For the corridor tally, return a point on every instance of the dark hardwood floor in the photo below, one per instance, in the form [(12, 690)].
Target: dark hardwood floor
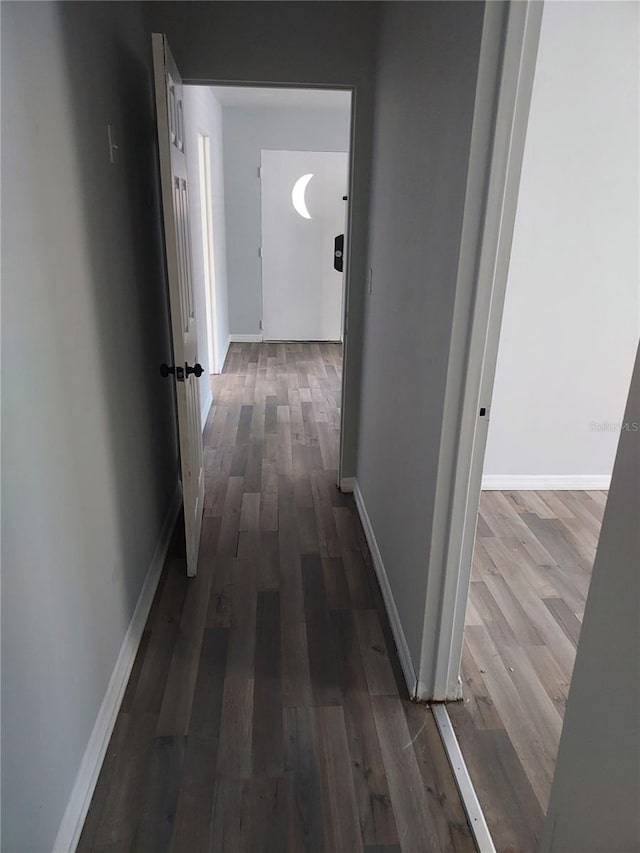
[(266, 710), (532, 566)]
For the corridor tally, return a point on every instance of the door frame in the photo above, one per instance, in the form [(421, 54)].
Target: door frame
[(507, 63), (344, 484), (208, 245)]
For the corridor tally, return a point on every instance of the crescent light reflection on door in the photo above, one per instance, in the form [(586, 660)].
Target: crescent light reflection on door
[(297, 195)]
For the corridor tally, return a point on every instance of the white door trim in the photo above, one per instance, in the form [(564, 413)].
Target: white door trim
[(503, 94), (346, 290), (208, 247)]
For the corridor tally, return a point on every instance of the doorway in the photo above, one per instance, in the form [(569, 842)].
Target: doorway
[(554, 357), (264, 269)]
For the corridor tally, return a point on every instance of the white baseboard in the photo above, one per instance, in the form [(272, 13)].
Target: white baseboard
[(544, 482), (389, 601), (245, 339), (347, 484), (226, 352), (221, 361), (87, 777), (208, 402)]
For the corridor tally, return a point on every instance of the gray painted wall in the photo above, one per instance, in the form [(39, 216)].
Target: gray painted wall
[(595, 797), (317, 44), (203, 114), (89, 460), (572, 310), (246, 132), (424, 108)]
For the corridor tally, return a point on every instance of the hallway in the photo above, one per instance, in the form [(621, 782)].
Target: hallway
[(266, 709)]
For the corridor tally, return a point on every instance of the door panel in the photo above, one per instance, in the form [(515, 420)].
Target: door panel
[(173, 175), (302, 213)]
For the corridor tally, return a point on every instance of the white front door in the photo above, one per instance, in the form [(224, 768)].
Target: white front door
[(173, 175), (303, 211)]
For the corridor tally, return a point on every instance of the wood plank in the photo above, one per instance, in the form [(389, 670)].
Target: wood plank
[(291, 596), (204, 725), (413, 818), (230, 526), (219, 610), (342, 830), (335, 582), (265, 803), (492, 616), (523, 631), (163, 628), (377, 821), (321, 641), (531, 749), (160, 798), (234, 753), (296, 679), (250, 511), (358, 576), (380, 678), (565, 618), (175, 711), (478, 702), (327, 532), (541, 711), (556, 540), (269, 561), (227, 815), (194, 810), (267, 749), (123, 803), (306, 815), (555, 682)]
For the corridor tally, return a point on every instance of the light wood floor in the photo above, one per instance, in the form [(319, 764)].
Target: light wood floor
[(532, 566), (265, 711)]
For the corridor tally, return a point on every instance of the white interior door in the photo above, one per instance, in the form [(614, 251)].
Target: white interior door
[(173, 174), (302, 212)]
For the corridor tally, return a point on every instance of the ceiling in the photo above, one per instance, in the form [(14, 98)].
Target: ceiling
[(247, 96)]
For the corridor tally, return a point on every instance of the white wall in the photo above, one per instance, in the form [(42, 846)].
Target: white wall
[(572, 312), (246, 132), (596, 785), (89, 458), (424, 109), (203, 114), (312, 44)]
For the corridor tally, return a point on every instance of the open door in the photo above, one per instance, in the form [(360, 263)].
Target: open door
[(184, 371)]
